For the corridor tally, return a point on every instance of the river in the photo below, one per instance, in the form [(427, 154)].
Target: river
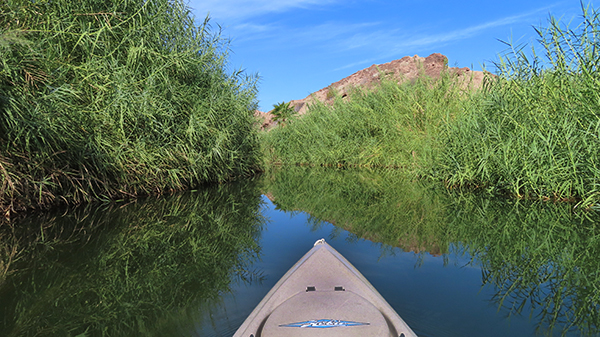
[(196, 263)]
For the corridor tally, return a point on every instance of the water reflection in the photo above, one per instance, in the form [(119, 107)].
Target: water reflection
[(380, 205), (124, 270), (537, 255), (162, 266), (541, 258)]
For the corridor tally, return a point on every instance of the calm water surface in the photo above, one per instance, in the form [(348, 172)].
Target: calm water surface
[(196, 264), (436, 295)]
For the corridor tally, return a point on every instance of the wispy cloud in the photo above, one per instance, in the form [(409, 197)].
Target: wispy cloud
[(234, 10), (398, 42), (381, 40), (252, 29), (329, 31), (315, 36)]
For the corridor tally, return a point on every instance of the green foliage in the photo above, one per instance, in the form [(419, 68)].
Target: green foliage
[(537, 135), (283, 112), (533, 132), (106, 99), (143, 269), (331, 93), (394, 125)]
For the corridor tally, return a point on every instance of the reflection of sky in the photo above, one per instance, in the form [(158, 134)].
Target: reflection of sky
[(436, 295)]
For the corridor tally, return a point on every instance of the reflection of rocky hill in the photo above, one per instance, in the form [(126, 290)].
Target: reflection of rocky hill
[(382, 206), (405, 69), (410, 243)]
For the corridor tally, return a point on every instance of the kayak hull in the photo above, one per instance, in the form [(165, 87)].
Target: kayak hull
[(323, 295)]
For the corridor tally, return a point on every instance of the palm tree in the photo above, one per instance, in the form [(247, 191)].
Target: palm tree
[(282, 112)]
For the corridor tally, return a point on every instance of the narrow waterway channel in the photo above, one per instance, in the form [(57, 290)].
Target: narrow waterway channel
[(196, 264)]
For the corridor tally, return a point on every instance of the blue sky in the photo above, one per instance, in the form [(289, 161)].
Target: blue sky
[(300, 46)]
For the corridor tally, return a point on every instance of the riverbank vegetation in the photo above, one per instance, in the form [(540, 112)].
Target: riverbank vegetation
[(537, 133), (115, 99), (532, 131), (396, 125)]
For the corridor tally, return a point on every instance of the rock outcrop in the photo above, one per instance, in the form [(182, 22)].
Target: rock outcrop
[(405, 69)]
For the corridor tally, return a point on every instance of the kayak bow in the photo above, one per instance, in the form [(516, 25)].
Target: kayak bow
[(323, 295)]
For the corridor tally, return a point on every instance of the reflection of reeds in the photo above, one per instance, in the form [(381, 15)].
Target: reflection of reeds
[(379, 205), (8, 253), (539, 256), (541, 259), (112, 99), (130, 270)]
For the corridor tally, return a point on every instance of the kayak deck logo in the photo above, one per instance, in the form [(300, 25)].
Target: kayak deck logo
[(322, 323)]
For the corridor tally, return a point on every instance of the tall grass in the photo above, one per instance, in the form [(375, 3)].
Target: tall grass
[(109, 99), (533, 132), (537, 134), (392, 125)]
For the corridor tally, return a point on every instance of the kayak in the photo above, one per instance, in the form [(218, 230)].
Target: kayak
[(323, 295)]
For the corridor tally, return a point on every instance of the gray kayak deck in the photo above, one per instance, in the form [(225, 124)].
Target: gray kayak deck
[(323, 295)]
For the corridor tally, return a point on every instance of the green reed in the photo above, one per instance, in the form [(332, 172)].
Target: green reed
[(533, 132), (391, 125), (536, 135), (113, 99)]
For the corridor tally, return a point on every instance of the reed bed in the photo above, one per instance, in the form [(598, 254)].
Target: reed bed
[(533, 131), (115, 99), (391, 125), (536, 135)]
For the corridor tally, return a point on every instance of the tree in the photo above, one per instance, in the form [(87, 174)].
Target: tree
[(282, 112)]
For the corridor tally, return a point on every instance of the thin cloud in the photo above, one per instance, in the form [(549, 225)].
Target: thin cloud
[(251, 28), (316, 35), (352, 65), (234, 10), (409, 42), (331, 31)]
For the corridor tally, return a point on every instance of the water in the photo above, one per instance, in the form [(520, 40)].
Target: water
[(437, 296), (196, 264)]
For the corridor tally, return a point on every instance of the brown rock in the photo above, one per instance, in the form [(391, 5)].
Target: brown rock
[(264, 119), (405, 69)]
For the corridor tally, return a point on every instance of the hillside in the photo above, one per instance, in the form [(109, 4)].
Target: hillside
[(405, 69)]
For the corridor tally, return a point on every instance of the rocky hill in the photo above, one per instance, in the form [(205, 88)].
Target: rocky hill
[(405, 69)]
